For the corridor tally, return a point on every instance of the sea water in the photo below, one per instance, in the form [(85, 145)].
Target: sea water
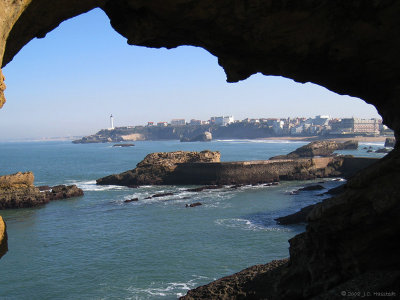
[(99, 247)]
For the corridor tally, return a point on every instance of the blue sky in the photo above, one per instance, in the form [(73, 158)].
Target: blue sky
[(71, 81)]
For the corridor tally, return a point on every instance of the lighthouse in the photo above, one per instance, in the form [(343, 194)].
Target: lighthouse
[(111, 122)]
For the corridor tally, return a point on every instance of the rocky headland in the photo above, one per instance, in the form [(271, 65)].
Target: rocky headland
[(18, 191)]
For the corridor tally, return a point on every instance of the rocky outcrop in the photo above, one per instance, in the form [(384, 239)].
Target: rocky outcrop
[(203, 137), (256, 282), (158, 168), (390, 142), (319, 148), (123, 145), (297, 217), (17, 180), (204, 168), (383, 150), (17, 191), (3, 237)]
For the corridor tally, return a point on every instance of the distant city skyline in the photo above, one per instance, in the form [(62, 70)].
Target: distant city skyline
[(69, 84)]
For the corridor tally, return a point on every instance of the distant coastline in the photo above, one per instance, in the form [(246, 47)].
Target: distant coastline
[(239, 130)]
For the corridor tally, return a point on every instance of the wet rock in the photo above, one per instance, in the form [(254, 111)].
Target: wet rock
[(208, 187), (312, 188), (131, 200), (390, 142), (161, 195), (43, 188), (123, 145), (236, 186), (383, 150), (63, 192), (193, 204), (296, 218)]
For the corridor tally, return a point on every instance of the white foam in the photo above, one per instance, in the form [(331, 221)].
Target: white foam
[(92, 186), (248, 225), (381, 144), (177, 289)]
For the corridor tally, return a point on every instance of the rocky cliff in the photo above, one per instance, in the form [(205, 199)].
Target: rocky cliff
[(18, 191)]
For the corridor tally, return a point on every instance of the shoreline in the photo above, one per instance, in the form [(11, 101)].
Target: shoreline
[(318, 138)]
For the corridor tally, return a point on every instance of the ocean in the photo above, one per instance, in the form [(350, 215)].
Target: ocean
[(99, 247)]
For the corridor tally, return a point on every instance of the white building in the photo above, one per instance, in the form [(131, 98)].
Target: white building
[(178, 122), (222, 121), (277, 126)]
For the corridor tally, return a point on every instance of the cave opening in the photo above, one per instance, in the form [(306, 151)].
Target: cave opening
[(349, 238)]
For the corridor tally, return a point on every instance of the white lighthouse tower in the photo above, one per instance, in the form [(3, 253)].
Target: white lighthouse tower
[(111, 122)]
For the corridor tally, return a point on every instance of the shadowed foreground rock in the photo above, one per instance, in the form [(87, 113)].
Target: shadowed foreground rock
[(244, 284), (17, 191), (351, 241), (3, 237), (297, 217)]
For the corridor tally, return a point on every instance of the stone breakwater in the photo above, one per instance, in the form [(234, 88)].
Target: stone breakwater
[(205, 168), (18, 191)]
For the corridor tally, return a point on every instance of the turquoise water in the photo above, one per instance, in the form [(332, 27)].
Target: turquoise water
[(98, 247)]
